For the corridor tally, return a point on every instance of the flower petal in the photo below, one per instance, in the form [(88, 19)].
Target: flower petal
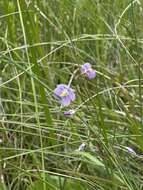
[(82, 147), (59, 89), (91, 74), (85, 67), (65, 101), (69, 113), (71, 95)]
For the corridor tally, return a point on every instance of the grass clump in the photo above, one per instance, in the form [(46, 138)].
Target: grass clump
[(99, 144)]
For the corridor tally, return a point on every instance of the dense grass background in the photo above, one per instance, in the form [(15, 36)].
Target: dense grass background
[(42, 43)]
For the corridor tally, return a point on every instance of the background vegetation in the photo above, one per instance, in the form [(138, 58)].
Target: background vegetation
[(42, 43)]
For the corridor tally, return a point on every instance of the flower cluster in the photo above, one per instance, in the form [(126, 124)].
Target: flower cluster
[(66, 94), (87, 70)]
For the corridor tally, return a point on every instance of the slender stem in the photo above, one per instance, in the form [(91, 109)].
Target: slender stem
[(71, 79)]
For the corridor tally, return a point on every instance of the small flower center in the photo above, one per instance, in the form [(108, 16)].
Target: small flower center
[(64, 93), (89, 70)]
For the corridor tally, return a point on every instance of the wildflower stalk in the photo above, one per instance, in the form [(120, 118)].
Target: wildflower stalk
[(73, 75)]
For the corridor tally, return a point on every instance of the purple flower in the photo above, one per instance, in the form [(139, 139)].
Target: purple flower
[(69, 113), (88, 71), (65, 94), (130, 150), (82, 147)]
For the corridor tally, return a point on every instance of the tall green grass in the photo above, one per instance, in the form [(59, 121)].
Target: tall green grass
[(42, 44)]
